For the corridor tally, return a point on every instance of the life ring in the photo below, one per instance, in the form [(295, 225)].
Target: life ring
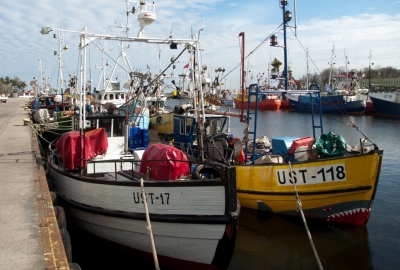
[(312, 152), (207, 171), (158, 119)]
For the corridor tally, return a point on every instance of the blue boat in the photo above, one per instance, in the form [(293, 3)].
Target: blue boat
[(330, 104), (386, 104)]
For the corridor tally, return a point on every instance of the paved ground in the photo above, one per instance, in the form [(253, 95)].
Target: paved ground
[(23, 243)]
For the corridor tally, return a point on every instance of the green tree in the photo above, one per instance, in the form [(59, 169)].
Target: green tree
[(14, 82), (5, 89)]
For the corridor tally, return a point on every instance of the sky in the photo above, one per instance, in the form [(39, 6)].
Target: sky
[(361, 31)]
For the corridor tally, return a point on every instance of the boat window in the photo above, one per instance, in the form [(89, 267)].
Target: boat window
[(119, 127), (111, 96), (106, 124), (115, 86), (116, 96), (122, 96), (105, 97), (181, 126), (189, 122)]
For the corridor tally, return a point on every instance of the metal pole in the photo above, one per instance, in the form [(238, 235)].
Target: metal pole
[(285, 48)]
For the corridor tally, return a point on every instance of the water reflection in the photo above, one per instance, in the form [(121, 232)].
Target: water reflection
[(270, 241)]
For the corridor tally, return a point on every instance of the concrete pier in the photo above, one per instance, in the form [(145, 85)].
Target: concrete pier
[(29, 234)]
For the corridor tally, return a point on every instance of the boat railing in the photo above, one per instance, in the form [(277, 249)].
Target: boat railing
[(215, 149), (123, 169), (254, 90)]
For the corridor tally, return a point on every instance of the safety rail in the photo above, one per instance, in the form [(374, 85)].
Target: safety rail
[(119, 172), (255, 91)]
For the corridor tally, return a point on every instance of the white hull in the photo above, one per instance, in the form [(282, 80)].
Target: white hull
[(189, 218), (182, 241)]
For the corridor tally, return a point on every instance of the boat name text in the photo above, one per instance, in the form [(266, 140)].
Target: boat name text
[(151, 198), (312, 175)]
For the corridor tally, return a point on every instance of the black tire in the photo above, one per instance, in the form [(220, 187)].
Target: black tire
[(67, 244), (74, 266), (207, 171), (60, 215)]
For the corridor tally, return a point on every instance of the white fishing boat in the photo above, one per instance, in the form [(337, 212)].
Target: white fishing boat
[(148, 198)]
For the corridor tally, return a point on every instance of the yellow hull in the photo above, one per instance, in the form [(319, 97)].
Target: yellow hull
[(339, 189), (163, 123)]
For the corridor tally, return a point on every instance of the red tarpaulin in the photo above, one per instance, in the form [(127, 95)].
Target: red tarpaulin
[(166, 162), (70, 150)]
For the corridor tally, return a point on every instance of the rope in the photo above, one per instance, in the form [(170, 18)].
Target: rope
[(299, 208), (38, 134), (153, 247)]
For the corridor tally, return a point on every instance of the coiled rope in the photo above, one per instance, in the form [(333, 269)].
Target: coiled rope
[(299, 208)]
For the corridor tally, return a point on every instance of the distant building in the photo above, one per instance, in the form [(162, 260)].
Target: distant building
[(381, 84), (346, 81), (293, 83), (24, 94)]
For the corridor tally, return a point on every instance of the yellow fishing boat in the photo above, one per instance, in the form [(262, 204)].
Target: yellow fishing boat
[(337, 189), (323, 176)]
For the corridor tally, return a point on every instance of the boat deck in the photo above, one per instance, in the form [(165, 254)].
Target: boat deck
[(29, 233)]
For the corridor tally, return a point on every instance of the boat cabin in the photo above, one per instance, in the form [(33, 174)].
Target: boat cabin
[(113, 124)]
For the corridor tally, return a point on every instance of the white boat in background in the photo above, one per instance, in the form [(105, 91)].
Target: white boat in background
[(112, 93), (152, 199)]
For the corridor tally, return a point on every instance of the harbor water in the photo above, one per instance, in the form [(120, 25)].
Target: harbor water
[(270, 241)]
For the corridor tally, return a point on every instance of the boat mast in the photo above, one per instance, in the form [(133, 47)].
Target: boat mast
[(330, 72), (286, 18), (61, 51), (307, 83), (243, 77), (347, 73)]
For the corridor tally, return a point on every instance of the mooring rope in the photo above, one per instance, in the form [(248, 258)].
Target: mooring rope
[(299, 208), (153, 247)]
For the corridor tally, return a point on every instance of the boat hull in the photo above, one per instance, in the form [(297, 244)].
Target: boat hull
[(285, 104), (162, 123), (334, 190), (227, 102), (266, 104), (329, 105), (188, 230), (386, 104)]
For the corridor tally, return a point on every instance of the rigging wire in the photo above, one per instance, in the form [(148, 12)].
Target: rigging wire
[(308, 54), (254, 50)]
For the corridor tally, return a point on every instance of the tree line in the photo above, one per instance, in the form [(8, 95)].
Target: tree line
[(7, 85), (365, 73)]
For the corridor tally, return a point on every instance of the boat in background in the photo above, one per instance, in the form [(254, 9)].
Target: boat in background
[(227, 98), (386, 104), (285, 102), (337, 103), (266, 101)]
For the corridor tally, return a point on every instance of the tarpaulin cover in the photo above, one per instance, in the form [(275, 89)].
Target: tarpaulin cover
[(166, 162), (70, 150), (331, 145)]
